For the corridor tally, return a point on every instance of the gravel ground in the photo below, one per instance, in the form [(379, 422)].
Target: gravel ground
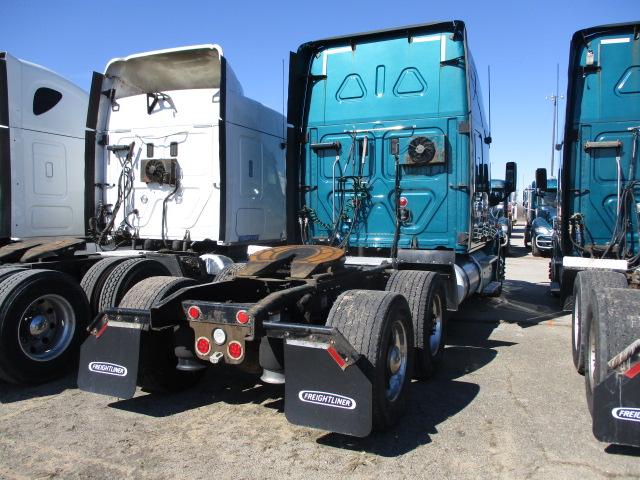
[(507, 404)]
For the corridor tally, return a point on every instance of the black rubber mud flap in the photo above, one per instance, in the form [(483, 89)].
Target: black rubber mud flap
[(109, 359), (324, 390), (616, 408)]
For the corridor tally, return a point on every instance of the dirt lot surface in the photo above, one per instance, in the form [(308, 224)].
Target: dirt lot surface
[(507, 404)]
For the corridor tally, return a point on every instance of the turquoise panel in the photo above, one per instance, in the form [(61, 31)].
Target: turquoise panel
[(413, 92)]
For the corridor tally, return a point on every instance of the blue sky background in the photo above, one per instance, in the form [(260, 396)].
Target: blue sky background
[(521, 40)]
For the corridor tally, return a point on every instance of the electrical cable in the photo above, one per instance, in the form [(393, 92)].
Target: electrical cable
[(125, 187), (164, 213)]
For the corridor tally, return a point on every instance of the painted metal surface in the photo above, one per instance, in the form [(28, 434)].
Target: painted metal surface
[(228, 148), (41, 150), (600, 157), (408, 95)]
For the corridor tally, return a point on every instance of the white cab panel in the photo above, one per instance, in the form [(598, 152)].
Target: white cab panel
[(228, 148), (46, 118)]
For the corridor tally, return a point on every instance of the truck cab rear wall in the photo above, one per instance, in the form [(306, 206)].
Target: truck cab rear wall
[(227, 149)]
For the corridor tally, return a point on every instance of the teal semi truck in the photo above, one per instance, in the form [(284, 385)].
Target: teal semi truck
[(501, 212), (595, 264), (388, 228), (540, 207)]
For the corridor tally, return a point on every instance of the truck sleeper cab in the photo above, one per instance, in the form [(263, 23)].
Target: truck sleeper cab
[(41, 152), (595, 266), (181, 154), (305, 315)]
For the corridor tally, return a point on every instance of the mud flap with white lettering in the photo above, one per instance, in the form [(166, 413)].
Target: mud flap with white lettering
[(325, 387), (616, 409), (110, 356)]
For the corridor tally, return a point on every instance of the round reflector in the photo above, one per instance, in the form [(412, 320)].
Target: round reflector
[(194, 313), (235, 350), (203, 346), (403, 202), (219, 336), (242, 317)]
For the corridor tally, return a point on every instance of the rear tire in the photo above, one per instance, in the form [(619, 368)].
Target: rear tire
[(157, 368), (228, 272), (378, 325), (614, 326), (427, 301), (581, 316), (43, 316), (6, 272), (126, 275), (94, 279)]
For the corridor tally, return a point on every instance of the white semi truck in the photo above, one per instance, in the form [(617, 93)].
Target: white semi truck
[(177, 159), (41, 152)]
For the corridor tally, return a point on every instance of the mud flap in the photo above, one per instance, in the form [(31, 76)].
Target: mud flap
[(616, 409), (109, 359), (325, 389)]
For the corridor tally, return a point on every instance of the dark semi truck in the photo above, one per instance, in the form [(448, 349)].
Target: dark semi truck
[(388, 229)]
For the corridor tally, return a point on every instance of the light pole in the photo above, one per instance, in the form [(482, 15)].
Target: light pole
[(554, 99)]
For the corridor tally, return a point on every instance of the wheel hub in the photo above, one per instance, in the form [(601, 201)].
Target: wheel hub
[(395, 360), (46, 328), (38, 325)]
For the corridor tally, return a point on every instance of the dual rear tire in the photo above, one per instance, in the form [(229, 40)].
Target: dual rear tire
[(43, 316), (427, 300), (400, 333), (157, 368), (613, 327), (582, 314), (378, 325)]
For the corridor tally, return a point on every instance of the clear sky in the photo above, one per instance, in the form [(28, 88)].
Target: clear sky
[(521, 40)]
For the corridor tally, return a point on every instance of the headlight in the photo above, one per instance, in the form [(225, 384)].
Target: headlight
[(544, 231), (505, 228)]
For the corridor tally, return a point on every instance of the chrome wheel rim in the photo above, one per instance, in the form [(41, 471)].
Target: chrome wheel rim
[(397, 359), (46, 328), (435, 338)]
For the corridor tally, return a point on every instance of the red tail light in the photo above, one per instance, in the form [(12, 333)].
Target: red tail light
[(194, 313), (242, 317), (403, 202), (235, 350), (203, 346)]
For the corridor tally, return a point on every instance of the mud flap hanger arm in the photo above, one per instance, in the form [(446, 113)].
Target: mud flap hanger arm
[(315, 336), (120, 317)]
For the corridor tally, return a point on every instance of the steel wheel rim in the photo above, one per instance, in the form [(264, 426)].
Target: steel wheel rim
[(592, 361), (435, 339), (46, 328), (397, 359)]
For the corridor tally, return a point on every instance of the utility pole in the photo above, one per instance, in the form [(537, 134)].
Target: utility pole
[(554, 99)]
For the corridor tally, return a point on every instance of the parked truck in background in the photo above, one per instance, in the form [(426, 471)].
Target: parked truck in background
[(175, 157), (41, 152), (540, 206), (501, 211), (595, 264), (388, 225)]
